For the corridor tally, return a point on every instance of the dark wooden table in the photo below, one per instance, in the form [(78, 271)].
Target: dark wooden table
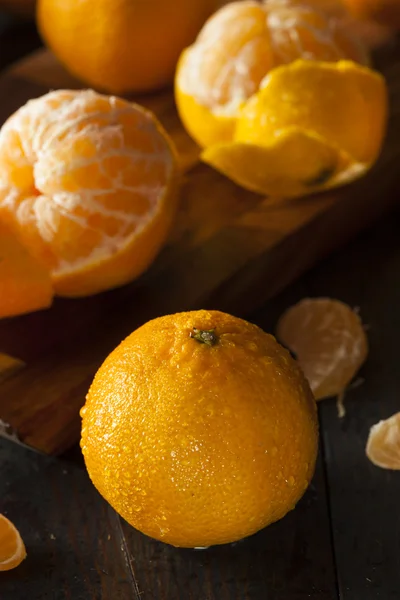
[(341, 542)]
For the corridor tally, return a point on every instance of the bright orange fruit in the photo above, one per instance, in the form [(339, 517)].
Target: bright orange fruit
[(121, 45), (89, 186), (12, 548), (238, 47), (329, 341), (25, 285), (306, 129), (200, 429), (383, 446)]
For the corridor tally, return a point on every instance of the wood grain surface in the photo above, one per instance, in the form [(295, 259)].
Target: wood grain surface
[(341, 542), (362, 499), (229, 249)]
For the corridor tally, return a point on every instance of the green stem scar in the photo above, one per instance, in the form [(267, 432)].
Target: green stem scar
[(204, 337)]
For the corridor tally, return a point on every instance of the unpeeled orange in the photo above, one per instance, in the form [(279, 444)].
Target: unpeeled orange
[(121, 45), (200, 429), (89, 186), (12, 548)]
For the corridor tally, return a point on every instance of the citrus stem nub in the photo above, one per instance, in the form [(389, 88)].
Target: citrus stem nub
[(205, 337)]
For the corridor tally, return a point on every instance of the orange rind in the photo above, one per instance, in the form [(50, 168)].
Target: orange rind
[(290, 138)]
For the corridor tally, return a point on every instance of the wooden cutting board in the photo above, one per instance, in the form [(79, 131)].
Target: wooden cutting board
[(229, 249)]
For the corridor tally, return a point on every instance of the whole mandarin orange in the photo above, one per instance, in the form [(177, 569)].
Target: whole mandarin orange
[(200, 429), (121, 45)]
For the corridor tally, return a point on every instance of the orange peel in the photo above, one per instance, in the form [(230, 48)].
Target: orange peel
[(290, 139)]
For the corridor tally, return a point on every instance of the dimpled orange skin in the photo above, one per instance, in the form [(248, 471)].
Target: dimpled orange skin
[(198, 445)]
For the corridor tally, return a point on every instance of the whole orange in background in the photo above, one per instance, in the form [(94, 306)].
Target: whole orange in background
[(89, 186), (386, 12), (12, 548), (121, 45), (200, 429)]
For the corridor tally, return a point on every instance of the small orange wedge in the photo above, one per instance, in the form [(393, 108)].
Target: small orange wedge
[(25, 285), (12, 548), (383, 446), (329, 341)]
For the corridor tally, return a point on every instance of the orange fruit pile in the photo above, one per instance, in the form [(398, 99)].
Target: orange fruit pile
[(383, 446), (89, 186), (200, 429), (328, 340), (265, 92), (12, 548), (130, 45)]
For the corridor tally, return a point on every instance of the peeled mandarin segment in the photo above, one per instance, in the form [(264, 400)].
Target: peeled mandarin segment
[(12, 549), (383, 446), (295, 163), (89, 185), (25, 284), (328, 340), (343, 103)]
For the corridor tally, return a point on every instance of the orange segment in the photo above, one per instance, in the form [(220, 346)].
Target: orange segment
[(25, 285), (240, 45), (12, 549), (383, 446), (89, 186), (329, 341)]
